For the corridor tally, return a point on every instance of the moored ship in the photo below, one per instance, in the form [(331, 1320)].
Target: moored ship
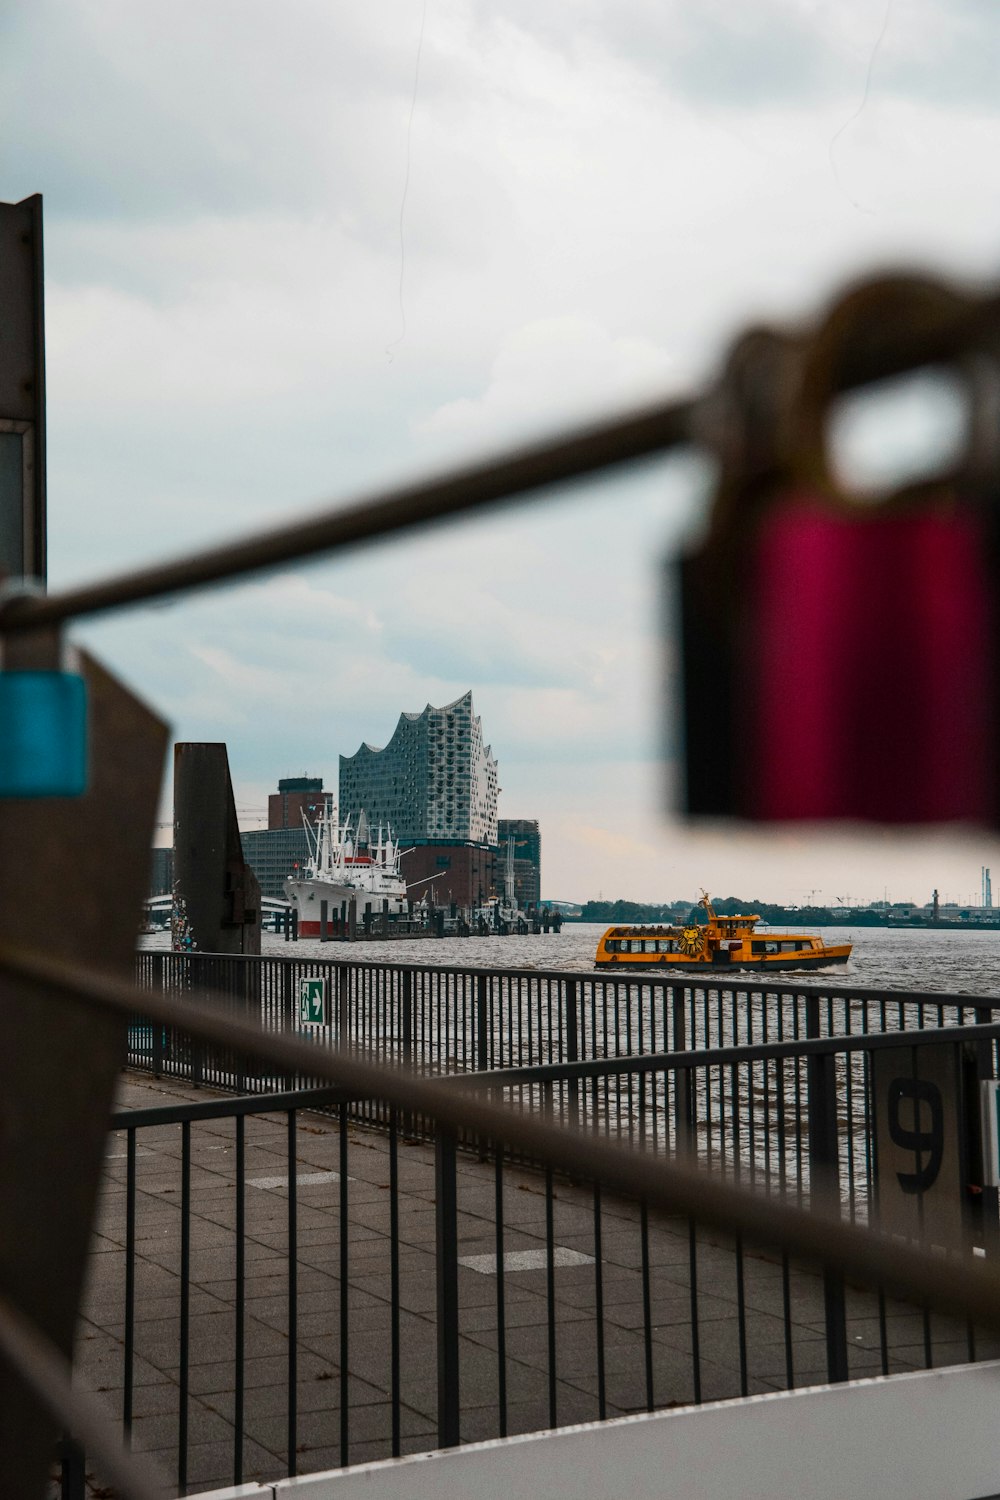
[(345, 866), (717, 943)]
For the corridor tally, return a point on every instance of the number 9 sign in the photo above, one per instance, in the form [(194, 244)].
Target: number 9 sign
[(918, 1143), (924, 1100)]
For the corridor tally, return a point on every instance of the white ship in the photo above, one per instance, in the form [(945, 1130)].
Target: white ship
[(345, 866)]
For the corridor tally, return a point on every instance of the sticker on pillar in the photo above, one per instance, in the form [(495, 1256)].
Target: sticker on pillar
[(313, 1002), (43, 734)]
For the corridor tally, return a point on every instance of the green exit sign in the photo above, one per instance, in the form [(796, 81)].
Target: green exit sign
[(312, 1002)]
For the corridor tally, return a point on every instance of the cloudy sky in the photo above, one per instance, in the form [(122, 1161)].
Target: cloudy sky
[(294, 252)]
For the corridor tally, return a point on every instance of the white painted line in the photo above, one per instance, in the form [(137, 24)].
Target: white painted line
[(304, 1179), (525, 1260), (122, 1155)]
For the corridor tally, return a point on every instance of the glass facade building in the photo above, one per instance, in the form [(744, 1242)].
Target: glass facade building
[(527, 858), (434, 781)]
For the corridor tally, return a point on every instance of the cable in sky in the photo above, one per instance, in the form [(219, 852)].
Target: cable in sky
[(406, 185), (860, 109)]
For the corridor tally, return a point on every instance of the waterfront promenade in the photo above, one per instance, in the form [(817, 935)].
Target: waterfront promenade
[(597, 1326)]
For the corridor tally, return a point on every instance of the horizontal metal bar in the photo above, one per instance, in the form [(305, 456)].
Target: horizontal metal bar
[(49, 1375), (672, 1062), (952, 1282), (571, 455), (655, 980), (224, 1109)]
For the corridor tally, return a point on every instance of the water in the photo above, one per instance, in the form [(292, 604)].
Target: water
[(912, 959)]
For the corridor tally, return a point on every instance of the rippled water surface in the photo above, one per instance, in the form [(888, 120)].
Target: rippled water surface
[(884, 958)]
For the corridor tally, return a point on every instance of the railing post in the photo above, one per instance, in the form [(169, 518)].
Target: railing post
[(683, 1114), (571, 1031), (286, 1027), (406, 1017), (446, 1225), (824, 1190), (482, 1022), (73, 1474), (988, 1213)]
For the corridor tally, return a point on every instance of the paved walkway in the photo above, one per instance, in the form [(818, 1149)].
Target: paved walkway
[(211, 1432)]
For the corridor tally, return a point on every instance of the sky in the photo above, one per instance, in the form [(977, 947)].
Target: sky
[(296, 253)]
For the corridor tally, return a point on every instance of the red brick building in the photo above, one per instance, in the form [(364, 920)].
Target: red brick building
[(296, 795), (463, 874)]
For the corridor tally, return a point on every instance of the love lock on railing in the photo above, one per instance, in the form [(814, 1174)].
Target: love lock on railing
[(43, 718), (840, 651)]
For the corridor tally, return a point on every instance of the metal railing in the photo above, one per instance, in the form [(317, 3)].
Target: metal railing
[(442, 1296), (458, 1018)]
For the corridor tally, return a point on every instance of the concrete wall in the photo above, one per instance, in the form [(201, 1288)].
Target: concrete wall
[(932, 1434)]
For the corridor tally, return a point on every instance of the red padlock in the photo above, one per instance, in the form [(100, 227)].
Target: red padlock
[(841, 658)]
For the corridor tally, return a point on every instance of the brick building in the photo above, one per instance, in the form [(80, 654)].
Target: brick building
[(296, 795)]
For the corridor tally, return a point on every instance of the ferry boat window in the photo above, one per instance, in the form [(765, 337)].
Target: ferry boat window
[(758, 948), (613, 945), (790, 947), (665, 945)]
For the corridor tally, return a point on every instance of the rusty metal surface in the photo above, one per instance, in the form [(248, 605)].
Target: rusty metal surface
[(216, 903), (957, 326), (73, 875), (522, 472)]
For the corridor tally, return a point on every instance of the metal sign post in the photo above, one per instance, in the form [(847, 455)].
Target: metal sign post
[(22, 391)]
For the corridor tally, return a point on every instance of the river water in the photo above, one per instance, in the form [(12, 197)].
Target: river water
[(913, 959)]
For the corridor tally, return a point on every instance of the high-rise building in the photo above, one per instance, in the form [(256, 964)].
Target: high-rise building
[(435, 785), (296, 795), (273, 853), (527, 857), (434, 781), (283, 846)]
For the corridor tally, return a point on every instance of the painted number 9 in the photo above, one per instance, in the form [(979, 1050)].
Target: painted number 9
[(924, 1099)]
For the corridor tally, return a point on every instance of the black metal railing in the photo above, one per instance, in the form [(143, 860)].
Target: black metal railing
[(435, 1296), (459, 1019)]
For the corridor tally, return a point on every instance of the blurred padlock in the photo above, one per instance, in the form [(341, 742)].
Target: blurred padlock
[(43, 718), (43, 734), (840, 658)]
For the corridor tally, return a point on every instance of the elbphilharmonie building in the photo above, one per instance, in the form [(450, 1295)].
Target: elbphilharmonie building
[(434, 781)]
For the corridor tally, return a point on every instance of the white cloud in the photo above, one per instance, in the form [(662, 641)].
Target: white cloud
[(600, 196)]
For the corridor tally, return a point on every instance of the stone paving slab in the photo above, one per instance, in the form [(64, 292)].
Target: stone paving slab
[(320, 1384)]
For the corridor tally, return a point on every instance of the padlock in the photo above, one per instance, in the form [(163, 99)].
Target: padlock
[(43, 734), (43, 719), (841, 659)]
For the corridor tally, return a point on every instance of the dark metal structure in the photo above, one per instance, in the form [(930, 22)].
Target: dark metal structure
[(22, 391), (216, 897), (760, 1115)]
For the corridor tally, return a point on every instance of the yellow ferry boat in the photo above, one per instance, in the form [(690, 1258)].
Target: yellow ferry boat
[(719, 942)]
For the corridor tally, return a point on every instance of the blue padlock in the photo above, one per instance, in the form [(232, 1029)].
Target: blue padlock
[(43, 734)]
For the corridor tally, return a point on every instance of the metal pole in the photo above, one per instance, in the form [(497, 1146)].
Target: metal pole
[(446, 1225), (824, 1186)]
